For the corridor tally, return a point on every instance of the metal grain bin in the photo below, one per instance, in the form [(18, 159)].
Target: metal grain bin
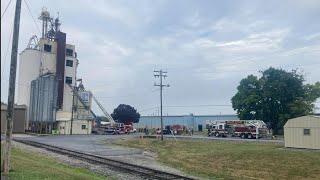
[(43, 99)]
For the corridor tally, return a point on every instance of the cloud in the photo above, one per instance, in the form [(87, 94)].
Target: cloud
[(306, 50), (311, 37), (207, 47), (227, 25), (258, 42)]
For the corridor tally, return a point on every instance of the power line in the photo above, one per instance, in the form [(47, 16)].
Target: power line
[(255, 70), (161, 74), (7, 52), (5, 10), (147, 109), (30, 13), (182, 106), (131, 95), (202, 105)]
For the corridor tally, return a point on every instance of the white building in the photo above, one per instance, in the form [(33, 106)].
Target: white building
[(51, 55), (302, 132)]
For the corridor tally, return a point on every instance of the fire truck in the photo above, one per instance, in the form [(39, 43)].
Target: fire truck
[(239, 128)]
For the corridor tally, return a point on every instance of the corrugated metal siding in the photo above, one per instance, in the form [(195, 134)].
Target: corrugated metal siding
[(189, 121), (20, 115), (293, 132), (43, 99)]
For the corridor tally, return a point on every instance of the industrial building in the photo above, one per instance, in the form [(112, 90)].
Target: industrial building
[(196, 122), (48, 84), (303, 132), (19, 121)]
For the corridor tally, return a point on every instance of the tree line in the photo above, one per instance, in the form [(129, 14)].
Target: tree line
[(275, 97)]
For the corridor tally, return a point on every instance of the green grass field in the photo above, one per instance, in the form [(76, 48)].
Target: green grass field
[(27, 165), (233, 160)]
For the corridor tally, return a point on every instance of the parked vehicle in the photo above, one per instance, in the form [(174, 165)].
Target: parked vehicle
[(177, 129), (110, 130), (165, 131), (240, 128), (129, 128), (114, 128), (133, 130), (120, 130)]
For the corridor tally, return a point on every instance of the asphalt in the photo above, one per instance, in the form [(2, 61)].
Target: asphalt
[(197, 137), (94, 144), (102, 145)]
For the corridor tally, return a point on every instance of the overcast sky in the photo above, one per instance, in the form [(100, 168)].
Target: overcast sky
[(207, 47)]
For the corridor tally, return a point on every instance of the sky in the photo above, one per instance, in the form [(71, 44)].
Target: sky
[(206, 47)]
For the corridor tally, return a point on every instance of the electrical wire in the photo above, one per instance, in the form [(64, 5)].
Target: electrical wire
[(5, 10), (6, 54), (133, 94), (30, 13), (182, 106), (201, 105)]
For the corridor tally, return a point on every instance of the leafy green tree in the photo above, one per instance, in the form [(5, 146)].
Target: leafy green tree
[(276, 97), (125, 114), (247, 99)]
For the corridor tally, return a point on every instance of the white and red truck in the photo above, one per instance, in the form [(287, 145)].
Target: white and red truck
[(237, 128)]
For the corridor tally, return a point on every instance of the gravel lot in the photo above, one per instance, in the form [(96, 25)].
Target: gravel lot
[(98, 145), (104, 170)]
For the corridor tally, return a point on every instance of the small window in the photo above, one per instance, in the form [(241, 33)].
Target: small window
[(69, 80), (306, 131), (47, 47), (83, 127), (220, 126), (69, 63), (69, 52)]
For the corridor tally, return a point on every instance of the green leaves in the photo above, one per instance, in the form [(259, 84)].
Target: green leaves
[(248, 98), (276, 97), (125, 114)]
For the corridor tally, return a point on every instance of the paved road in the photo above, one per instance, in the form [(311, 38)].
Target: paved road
[(197, 137), (101, 145), (95, 144)]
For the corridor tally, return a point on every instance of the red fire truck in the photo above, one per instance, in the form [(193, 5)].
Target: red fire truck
[(239, 128)]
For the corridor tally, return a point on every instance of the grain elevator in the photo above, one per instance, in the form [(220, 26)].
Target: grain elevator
[(48, 84)]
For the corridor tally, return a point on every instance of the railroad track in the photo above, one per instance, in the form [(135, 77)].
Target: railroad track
[(144, 172)]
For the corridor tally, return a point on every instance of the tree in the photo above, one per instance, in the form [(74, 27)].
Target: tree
[(276, 97), (125, 114), (247, 99)]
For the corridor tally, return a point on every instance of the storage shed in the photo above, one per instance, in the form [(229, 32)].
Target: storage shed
[(302, 132), (19, 120)]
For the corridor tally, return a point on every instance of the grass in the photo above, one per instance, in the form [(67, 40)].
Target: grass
[(26, 165), (233, 160)]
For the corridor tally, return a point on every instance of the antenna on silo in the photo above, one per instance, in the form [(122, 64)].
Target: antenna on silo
[(57, 23), (45, 18)]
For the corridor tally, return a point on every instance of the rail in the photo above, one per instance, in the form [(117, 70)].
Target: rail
[(146, 172)]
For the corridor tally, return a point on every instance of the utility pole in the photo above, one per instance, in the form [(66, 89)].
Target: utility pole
[(161, 74), (72, 109), (12, 81)]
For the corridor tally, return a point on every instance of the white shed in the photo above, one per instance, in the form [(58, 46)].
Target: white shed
[(302, 132)]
